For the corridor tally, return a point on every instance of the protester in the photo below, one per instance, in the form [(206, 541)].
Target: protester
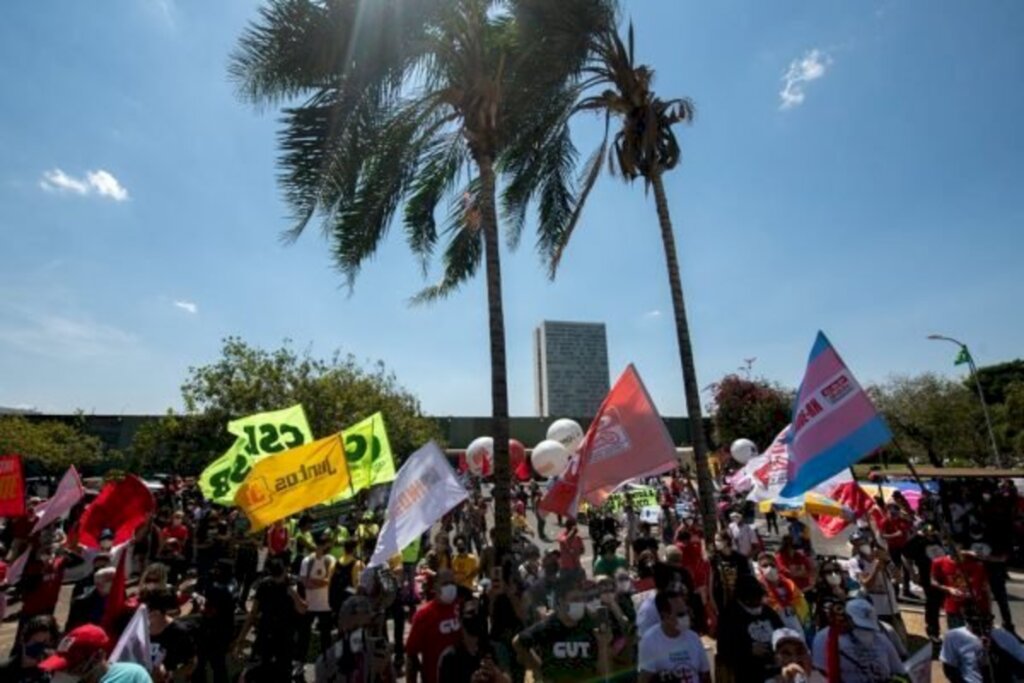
[(793, 659), (742, 536), (37, 641), (568, 645), (570, 547), (275, 612), (435, 629), (315, 574), (863, 653), (727, 566), (90, 606), (744, 635), (980, 653), (465, 565), (961, 578), (82, 656), (671, 650), (869, 567), (783, 596)]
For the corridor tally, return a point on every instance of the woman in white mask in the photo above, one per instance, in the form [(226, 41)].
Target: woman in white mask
[(671, 650)]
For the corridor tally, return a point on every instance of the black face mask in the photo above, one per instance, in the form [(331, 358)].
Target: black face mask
[(36, 651)]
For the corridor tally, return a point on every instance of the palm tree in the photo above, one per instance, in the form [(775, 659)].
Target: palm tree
[(645, 146), (422, 102)]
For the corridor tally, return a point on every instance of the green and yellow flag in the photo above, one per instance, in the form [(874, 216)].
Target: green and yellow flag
[(369, 456), (293, 481), (963, 357), (257, 436)]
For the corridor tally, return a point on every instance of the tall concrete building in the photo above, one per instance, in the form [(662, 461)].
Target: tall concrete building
[(570, 367)]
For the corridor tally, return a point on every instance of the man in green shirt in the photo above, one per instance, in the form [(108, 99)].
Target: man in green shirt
[(608, 562)]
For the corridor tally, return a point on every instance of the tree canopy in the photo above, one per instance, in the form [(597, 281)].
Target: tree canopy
[(336, 392), (749, 409), (51, 446)]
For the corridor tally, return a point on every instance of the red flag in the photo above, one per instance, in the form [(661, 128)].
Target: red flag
[(850, 495), (118, 595), (832, 655), (122, 506), (523, 472), (12, 486), (67, 495), (626, 440)]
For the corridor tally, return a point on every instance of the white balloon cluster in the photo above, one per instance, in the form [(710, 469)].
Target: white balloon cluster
[(742, 450), (551, 456)]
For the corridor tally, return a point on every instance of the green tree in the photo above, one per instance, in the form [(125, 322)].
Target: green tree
[(645, 146), (335, 393), (424, 101), (51, 446), (934, 418), (996, 380), (750, 409)]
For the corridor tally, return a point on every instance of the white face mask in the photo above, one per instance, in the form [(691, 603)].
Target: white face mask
[(833, 579), (355, 641), (448, 593), (577, 610), (770, 574), (683, 622)]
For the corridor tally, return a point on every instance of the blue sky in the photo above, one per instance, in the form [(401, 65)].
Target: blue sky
[(875, 193)]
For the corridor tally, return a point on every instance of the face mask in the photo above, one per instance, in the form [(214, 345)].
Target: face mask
[(35, 651), (683, 622), (863, 524), (576, 610), (833, 579), (721, 545), (448, 593), (355, 641), (864, 636), (770, 574)]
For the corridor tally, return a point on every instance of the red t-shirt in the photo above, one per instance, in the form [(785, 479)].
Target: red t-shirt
[(947, 572), (435, 629), (571, 550), (178, 531), (899, 526), (694, 562), (798, 560), (277, 540), (46, 580)]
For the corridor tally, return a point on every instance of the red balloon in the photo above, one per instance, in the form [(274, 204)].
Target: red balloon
[(516, 454)]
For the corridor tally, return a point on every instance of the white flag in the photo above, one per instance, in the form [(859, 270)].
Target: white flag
[(423, 491), (133, 646), (67, 495)]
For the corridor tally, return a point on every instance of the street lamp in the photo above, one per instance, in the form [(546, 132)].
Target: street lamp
[(981, 395)]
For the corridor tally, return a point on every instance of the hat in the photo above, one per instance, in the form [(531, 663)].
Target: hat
[(862, 614), (76, 647), (107, 535), (781, 634)]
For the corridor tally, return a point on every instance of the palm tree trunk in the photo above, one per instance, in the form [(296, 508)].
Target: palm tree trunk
[(502, 475), (692, 393)]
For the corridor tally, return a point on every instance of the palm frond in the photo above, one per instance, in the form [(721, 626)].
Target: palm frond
[(439, 168), (464, 253)]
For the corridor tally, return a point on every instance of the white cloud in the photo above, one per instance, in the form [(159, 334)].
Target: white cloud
[(187, 306), (652, 314), (60, 336), (98, 182), (802, 71)]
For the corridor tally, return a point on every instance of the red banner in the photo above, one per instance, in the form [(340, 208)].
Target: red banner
[(12, 487), (122, 507)]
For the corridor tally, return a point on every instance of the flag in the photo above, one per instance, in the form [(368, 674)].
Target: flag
[(12, 486), (424, 490), (17, 568), (963, 357), (68, 494), (133, 645), (368, 454), (118, 595), (523, 472), (122, 507), (834, 423), (626, 440), (293, 481), (256, 437), (852, 496)]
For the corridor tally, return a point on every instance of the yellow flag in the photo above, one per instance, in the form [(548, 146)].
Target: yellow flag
[(292, 481)]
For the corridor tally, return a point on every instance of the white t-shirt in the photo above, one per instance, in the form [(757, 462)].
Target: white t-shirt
[(859, 663), (314, 567), (647, 614), (743, 538), (962, 650), (679, 660)]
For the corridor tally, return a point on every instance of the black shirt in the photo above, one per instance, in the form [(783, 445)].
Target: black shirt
[(11, 671), (738, 630), (505, 623), (567, 653), (277, 609), (174, 647), (458, 665), (645, 543)]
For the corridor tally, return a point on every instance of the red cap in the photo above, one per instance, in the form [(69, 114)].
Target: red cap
[(76, 647)]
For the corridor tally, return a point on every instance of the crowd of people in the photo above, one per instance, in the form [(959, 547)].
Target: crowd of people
[(615, 595)]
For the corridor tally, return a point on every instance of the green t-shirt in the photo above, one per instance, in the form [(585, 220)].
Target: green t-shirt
[(609, 567), (338, 538)]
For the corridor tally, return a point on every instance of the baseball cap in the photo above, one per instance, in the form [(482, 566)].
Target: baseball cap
[(862, 614), (782, 634), (76, 647), (107, 535)]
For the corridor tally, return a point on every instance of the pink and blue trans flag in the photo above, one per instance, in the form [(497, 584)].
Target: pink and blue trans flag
[(834, 422)]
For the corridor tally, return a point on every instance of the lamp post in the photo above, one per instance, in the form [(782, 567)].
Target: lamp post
[(981, 394)]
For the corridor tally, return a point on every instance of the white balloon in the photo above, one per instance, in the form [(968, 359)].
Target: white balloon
[(742, 450), (549, 458), (566, 432), (478, 452)]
